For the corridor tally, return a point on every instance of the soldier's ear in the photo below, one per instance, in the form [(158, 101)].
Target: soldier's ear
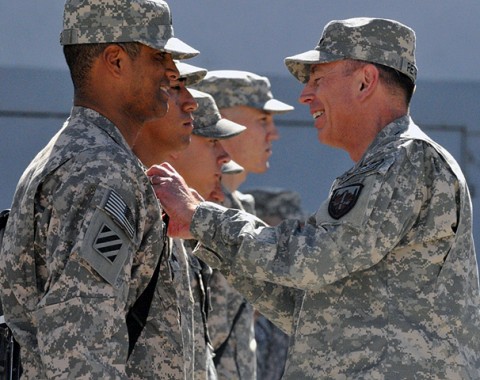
[(367, 80), (114, 59)]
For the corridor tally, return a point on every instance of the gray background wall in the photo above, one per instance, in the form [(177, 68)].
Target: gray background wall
[(254, 35)]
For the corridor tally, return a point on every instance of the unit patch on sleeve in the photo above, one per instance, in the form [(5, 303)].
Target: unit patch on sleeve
[(108, 243), (343, 200), (109, 237)]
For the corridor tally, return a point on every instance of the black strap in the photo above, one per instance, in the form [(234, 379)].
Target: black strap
[(137, 316), (3, 218), (220, 350), (3, 222)]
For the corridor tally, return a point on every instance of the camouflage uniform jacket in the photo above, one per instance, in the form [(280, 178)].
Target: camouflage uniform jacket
[(161, 353), (200, 274), (387, 265), (238, 360), (81, 244)]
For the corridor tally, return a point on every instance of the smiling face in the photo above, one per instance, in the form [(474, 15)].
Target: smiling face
[(253, 147), (150, 74), (330, 94)]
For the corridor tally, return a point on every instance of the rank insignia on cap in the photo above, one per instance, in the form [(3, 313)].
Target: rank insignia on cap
[(108, 243), (343, 200)]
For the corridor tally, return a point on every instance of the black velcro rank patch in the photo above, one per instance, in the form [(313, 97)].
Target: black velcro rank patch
[(343, 200), (108, 243)]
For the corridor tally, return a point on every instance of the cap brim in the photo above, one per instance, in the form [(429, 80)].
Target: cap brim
[(299, 65), (222, 129), (191, 74), (179, 49), (231, 167), (274, 105)]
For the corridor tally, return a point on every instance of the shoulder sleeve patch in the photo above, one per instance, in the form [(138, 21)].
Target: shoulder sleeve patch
[(106, 247), (114, 205), (343, 199), (108, 241)]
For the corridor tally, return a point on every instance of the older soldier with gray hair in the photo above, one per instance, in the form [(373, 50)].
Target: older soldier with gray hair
[(85, 232), (388, 262)]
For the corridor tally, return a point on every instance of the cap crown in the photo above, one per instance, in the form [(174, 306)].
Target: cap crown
[(115, 21), (382, 41), (232, 88), (208, 122), (207, 113)]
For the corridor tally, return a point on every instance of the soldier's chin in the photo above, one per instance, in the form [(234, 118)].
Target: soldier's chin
[(263, 169)]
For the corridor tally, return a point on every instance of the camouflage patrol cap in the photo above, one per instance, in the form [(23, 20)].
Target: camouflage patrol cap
[(207, 121), (191, 74), (231, 167), (114, 21), (382, 41), (232, 88)]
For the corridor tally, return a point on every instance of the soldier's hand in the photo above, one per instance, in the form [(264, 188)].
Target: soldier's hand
[(177, 199)]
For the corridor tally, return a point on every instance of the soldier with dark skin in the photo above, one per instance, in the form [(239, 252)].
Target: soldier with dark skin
[(85, 232)]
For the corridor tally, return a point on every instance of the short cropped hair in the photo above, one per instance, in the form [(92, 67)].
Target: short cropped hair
[(80, 59), (392, 78)]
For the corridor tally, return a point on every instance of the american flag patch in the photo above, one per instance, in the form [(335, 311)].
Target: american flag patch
[(120, 212), (108, 243)]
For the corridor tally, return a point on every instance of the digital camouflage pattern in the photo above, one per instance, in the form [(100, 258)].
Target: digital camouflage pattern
[(81, 244), (200, 274), (192, 353), (146, 21), (163, 350), (238, 361), (390, 287), (207, 121), (272, 205), (376, 40), (232, 88), (239, 201)]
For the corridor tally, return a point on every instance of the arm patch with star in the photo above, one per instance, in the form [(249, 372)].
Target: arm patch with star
[(108, 239)]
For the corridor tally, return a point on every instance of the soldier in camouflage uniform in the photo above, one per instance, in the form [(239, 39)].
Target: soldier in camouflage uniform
[(85, 231), (200, 165), (151, 358), (247, 99), (387, 263), (273, 205)]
